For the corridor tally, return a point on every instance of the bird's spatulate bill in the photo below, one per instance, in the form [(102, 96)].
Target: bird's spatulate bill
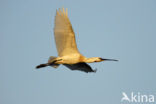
[(108, 59)]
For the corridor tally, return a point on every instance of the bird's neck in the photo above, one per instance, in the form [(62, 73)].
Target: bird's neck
[(90, 60)]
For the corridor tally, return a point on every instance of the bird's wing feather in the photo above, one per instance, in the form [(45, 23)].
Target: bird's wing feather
[(80, 66), (64, 34)]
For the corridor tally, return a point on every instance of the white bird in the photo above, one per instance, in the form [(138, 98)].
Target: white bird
[(68, 52)]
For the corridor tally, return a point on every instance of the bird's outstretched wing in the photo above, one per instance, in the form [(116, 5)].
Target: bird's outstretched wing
[(64, 34), (80, 66)]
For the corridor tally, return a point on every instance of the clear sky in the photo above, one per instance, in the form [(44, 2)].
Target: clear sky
[(120, 29)]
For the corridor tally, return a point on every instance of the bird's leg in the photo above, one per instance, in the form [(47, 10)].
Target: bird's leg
[(54, 62), (42, 65), (48, 64)]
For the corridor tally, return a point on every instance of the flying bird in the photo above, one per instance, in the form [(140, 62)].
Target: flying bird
[(68, 53)]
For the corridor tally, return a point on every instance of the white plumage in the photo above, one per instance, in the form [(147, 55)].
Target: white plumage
[(68, 52)]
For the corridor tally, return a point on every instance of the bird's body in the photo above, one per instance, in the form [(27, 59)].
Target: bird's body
[(68, 53), (70, 59)]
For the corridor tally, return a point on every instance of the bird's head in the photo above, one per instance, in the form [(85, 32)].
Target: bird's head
[(98, 59)]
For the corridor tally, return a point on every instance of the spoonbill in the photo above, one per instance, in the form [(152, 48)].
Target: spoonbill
[(68, 53)]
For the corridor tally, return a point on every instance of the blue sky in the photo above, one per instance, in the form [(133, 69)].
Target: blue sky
[(120, 29)]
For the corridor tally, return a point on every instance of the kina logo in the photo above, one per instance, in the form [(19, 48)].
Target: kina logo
[(137, 98)]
